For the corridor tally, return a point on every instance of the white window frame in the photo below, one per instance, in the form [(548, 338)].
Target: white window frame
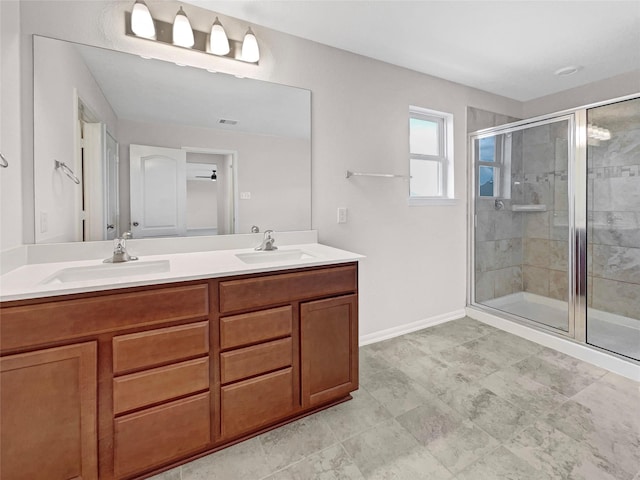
[(501, 167), (444, 157)]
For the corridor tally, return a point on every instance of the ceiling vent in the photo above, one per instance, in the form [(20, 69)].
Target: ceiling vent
[(226, 121)]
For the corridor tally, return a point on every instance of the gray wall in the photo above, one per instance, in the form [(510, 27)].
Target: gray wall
[(614, 205)]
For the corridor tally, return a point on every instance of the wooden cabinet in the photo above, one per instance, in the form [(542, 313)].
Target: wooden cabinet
[(161, 413), (256, 402), (258, 367), (158, 435), (48, 414), (329, 349), (124, 384)]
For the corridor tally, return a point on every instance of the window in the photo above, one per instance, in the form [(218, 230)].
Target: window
[(430, 156), (494, 166), (487, 167)]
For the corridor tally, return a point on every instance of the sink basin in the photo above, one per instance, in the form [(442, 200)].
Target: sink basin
[(273, 256), (107, 270)]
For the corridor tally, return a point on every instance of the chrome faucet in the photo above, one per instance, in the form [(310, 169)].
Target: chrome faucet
[(267, 242), (120, 253)]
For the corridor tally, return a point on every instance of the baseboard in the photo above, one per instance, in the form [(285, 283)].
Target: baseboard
[(614, 364), (410, 327)]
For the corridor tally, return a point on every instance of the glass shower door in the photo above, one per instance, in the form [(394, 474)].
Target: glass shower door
[(613, 227), (522, 222)]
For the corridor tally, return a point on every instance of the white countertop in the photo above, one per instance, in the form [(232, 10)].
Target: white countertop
[(33, 280)]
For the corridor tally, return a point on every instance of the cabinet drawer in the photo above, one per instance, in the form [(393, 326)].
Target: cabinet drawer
[(155, 347), (250, 361), (158, 435), (61, 320), (255, 327), (257, 402), (160, 384), (283, 288)]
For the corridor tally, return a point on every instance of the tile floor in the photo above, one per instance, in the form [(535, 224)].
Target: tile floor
[(460, 400)]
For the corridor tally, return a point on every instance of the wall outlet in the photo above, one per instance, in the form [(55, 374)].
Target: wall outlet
[(44, 222), (342, 214), (245, 195)]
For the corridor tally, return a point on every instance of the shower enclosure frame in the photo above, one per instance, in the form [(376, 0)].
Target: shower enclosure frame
[(577, 219)]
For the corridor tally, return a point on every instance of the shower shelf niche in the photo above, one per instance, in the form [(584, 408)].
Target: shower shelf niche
[(528, 208)]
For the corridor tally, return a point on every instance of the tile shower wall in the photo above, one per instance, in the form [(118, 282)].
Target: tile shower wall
[(499, 234), (544, 181), (614, 211), (527, 251), (499, 242)]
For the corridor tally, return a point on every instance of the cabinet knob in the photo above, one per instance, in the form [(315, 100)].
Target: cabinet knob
[(135, 224)]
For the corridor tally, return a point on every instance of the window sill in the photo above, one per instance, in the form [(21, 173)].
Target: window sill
[(426, 201)]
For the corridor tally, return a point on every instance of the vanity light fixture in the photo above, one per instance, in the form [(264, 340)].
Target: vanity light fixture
[(179, 33), (596, 134), (250, 50), (182, 31), (218, 41), (141, 20)]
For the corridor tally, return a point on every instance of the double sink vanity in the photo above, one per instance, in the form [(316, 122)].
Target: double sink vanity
[(125, 370)]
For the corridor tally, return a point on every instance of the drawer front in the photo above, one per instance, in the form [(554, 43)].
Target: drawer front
[(155, 347), (255, 327), (158, 435), (61, 320), (257, 402), (251, 361), (160, 384), (249, 293)]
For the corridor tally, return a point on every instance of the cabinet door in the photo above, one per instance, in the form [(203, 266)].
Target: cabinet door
[(329, 349), (48, 414)]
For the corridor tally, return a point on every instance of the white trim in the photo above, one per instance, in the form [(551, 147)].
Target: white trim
[(568, 347), (445, 153), (422, 201), (410, 327)]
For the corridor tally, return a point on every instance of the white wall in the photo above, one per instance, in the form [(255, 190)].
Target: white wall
[(202, 194), (275, 170), (60, 76), (614, 87), (416, 255), (10, 120)]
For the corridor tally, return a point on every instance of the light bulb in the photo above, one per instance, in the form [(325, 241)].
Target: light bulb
[(182, 32), (218, 41), (250, 50), (141, 21)]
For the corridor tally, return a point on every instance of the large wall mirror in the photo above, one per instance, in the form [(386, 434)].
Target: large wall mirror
[(125, 143)]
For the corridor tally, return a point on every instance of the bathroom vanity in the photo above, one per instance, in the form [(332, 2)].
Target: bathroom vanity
[(126, 382)]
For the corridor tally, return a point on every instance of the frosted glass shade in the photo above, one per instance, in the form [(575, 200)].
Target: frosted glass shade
[(182, 31), (218, 41), (141, 20), (250, 50)]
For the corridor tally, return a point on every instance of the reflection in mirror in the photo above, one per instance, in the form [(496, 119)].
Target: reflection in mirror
[(162, 149)]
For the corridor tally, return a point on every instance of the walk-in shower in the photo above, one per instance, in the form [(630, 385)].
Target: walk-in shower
[(555, 224)]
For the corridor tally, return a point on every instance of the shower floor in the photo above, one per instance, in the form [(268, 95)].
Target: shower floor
[(605, 330)]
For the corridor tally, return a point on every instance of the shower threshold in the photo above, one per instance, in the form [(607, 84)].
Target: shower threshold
[(605, 330)]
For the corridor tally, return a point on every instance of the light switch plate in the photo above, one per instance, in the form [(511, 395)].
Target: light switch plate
[(342, 214), (44, 222)]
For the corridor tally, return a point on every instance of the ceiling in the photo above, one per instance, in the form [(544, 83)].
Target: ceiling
[(510, 48), (144, 90)]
